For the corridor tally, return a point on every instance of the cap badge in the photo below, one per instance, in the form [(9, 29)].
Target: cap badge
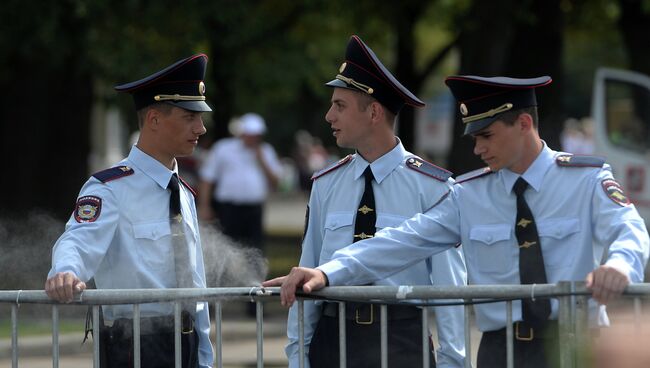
[(463, 109), (201, 88), (342, 67)]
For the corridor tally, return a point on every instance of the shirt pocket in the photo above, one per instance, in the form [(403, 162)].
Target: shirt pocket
[(555, 236), (492, 248), (153, 243), (339, 229), (389, 220)]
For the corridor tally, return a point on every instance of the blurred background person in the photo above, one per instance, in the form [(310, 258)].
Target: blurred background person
[(235, 181)]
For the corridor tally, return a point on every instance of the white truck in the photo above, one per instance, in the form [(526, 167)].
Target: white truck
[(621, 130)]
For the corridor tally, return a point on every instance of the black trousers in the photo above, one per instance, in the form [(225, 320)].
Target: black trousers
[(540, 352), (156, 348), (242, 222), (364, 342)]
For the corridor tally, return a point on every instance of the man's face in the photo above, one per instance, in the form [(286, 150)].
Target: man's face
[(499, 145), (349, 124), (180, 131)]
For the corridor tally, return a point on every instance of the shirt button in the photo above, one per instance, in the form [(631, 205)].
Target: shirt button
[(489, 238)]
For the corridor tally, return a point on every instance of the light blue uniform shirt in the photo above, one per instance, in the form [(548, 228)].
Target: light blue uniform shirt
[(129, 245), (400, 192), (577, 222)]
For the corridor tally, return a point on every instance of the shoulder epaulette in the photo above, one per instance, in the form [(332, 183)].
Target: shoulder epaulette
[(113, 173), (568, 160), (187, 186), (473, 175), (427, 168), (328, 170)]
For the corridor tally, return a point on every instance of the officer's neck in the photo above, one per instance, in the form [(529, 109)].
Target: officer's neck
[(169, 161), (377, 147)]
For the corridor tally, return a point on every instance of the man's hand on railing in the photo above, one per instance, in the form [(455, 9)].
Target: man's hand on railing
[(310, 279), (63, 286), (606, 283)]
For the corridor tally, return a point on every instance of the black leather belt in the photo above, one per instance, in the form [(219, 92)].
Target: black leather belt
[(525, 332), (366, 314), (155, 325)]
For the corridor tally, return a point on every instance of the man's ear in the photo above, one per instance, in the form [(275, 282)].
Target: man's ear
[(526, 121), (151, 119), (376, 112)]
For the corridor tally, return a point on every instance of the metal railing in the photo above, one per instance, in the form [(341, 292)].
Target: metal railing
[(572, 313)]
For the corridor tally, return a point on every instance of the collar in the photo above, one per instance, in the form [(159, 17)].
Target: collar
[(382, 166), (152, 167), (535, 173)]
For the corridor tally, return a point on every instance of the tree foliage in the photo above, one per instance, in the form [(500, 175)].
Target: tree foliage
[(58, 59)]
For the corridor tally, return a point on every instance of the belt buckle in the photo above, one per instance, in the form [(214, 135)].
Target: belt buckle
[(187, 324), (518, 336), (369, 321)]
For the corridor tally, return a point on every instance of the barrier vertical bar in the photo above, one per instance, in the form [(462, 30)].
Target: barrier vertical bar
[(342, 343), (96, 337), (468, 334), (510, 349), (582, 339), (55, 336), (260, 334), (14, 335), (425, 337), (136, 335), (565, 325), (177, 335), (383, 313), (218, 337), (301, 333)]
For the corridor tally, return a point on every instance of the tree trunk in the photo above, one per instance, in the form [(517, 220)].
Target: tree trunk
[(486, 35)]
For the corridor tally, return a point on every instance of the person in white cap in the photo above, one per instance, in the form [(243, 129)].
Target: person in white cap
[(235, 181)]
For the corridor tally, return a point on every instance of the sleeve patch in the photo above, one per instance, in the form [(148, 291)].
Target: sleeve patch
[(113, 173), (614, 191), (87, 209), (579, 161), (428, 168)]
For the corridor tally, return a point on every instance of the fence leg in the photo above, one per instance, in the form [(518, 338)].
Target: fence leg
[(301, 333), (425, 337), (260, 334), (468, 334), (136, 335), (566, 325), (177, 335), (583, 341), (55, 336), (510, 349), (218, 338), (383, 315), (96, 327), (342, 342), (14, 336)]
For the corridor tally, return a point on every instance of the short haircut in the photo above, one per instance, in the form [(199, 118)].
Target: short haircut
[(163, 108), (509, 117), (364, 100)]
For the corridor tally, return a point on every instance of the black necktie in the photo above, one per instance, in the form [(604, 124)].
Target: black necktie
[(366, 217), (531, 259), (181, 251)]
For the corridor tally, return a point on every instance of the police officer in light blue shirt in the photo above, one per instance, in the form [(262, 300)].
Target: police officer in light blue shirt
[(123, 227), (402, 186), (568, 210)]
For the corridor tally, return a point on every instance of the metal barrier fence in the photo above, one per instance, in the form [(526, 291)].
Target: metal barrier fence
[(572, 314)]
